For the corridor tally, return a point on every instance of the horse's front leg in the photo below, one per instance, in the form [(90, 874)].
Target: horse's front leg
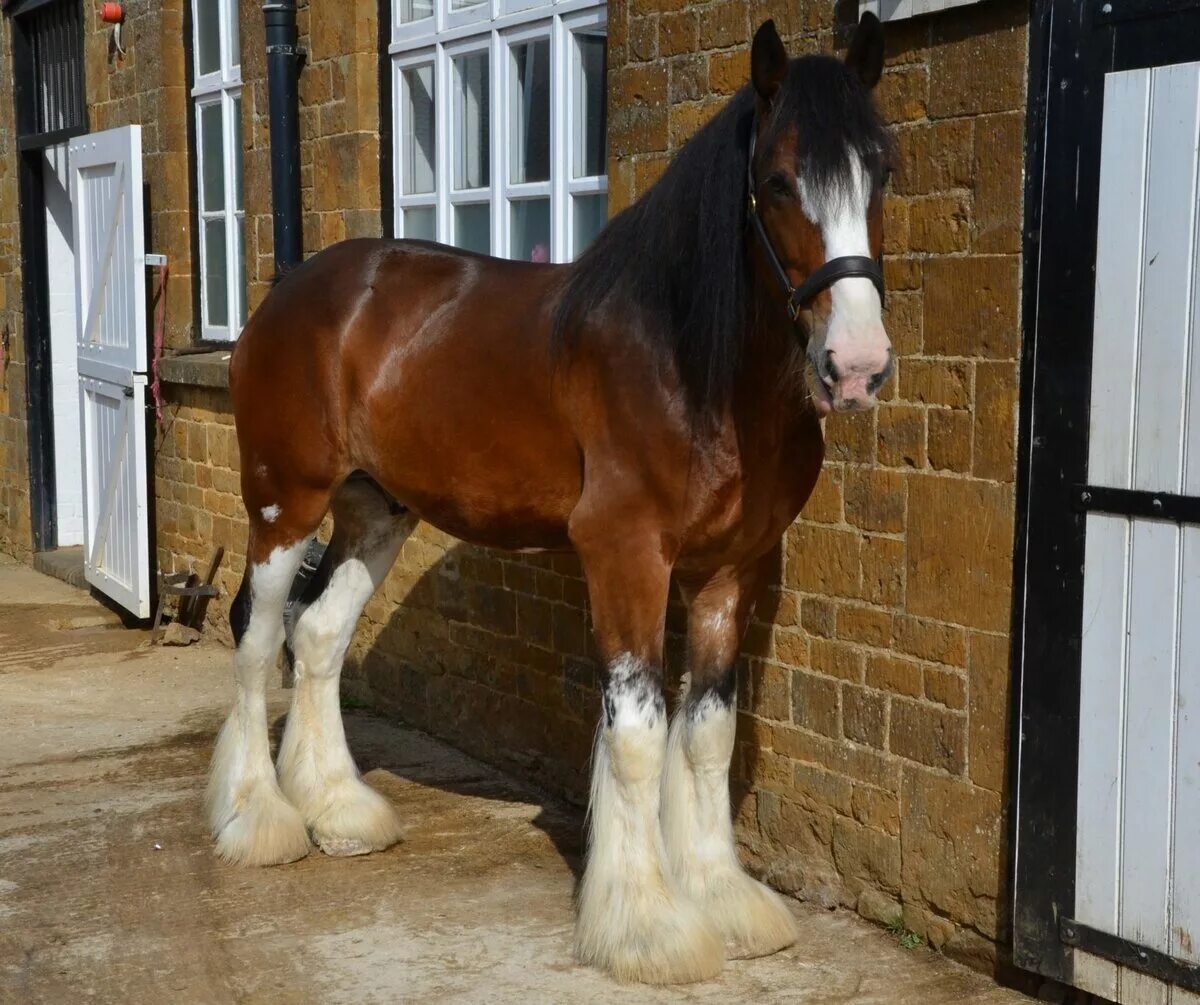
[(633, 921), (696, 818)]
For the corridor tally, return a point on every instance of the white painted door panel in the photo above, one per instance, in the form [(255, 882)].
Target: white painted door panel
[(106, 196), (110, 274), (117, 549), (1138, 824)]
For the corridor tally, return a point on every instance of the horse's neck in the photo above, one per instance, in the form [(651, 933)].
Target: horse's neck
[(772, 384)]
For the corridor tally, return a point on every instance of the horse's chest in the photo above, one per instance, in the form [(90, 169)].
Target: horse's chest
[(745, 502)]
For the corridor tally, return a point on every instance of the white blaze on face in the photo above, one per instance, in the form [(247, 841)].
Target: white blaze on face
[(854, 335)]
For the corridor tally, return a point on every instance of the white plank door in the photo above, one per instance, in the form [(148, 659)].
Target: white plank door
[(1137, 857), (110, 291)]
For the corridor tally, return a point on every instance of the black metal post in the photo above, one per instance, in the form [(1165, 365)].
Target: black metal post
[(284, 59)]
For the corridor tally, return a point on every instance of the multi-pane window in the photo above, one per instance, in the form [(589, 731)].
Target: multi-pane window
[(500, 124), (217, 94)]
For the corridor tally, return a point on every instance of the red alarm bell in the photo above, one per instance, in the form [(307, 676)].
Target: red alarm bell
[(111, 13)]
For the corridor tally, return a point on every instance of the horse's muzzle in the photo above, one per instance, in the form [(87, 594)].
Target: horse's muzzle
[(849, 380)]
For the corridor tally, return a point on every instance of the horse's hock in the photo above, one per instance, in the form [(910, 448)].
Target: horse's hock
[(872, 753)]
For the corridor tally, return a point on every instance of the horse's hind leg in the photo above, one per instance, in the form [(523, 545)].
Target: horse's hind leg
[(316, 771), (633, 921), (252, 821), (697, 824)]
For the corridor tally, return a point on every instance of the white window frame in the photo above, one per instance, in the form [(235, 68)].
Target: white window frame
[(900, 10), (223, 87), (495, 26)]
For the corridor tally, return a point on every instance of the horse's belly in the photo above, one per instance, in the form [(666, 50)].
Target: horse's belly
[(491, 476)]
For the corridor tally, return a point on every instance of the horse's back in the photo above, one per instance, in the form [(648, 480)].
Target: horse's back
[(428, 367)]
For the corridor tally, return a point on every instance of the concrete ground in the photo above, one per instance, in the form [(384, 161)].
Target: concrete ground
[(109, 890)]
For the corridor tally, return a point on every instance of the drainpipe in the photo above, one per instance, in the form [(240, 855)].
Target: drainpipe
[(284, 61)]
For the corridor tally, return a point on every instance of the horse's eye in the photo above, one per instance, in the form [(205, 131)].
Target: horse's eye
[(778, 185)]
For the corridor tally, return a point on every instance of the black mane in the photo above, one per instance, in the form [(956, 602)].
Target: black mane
[(678, 253)]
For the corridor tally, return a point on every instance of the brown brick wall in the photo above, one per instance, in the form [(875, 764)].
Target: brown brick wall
[(16, 534)]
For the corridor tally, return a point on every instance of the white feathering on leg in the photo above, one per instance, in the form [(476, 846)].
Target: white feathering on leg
[(252, 822), (698, 831), (632, 920)]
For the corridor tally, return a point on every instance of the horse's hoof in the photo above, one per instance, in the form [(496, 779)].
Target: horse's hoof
[(267, 830), (356, 820), (344, 847), (752, 917), (648, 936)]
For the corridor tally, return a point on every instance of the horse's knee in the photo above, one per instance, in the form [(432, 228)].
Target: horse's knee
[(714, 685)]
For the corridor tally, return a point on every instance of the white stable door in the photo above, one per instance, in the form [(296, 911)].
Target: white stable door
[(1138, 828), (110, 294)]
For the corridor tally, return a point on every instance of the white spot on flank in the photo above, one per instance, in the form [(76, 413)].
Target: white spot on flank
[(271, 513)]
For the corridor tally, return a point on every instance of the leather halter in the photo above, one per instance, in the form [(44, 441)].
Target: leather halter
[(842, 267)]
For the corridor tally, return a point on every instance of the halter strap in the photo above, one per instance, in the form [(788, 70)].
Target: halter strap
[(842, 267)]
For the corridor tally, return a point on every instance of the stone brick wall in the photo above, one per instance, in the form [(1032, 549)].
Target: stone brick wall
[(339, 130), (16, 533)]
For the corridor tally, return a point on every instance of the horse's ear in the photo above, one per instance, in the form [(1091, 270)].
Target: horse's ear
[(865, 56), (768, 61)]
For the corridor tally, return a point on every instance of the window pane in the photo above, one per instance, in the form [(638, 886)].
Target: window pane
[(414, 10), (212, 155), (590, 106), (464, 4), (420, 224), (241, 273), (473, 227), (531, 230), (471, 115), (591, 214), (235, 42), (418, 140), (530, 159), (216, 280), (237, 153), (208, 35)]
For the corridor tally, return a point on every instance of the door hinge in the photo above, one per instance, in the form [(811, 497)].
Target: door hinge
[(1152, 962)]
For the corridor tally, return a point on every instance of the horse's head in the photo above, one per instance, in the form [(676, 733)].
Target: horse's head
[(818, 167)]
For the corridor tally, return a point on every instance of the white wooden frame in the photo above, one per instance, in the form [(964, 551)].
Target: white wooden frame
[(223, 87), (495, 26), (898, 10)]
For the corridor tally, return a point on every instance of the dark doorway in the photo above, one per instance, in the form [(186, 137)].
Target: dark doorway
[(50, 107)]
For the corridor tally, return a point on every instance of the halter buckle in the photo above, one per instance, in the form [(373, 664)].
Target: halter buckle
[(793, 309)]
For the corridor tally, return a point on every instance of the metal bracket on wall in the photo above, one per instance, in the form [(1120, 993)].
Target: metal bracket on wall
[(297, 52), (1168, 969)]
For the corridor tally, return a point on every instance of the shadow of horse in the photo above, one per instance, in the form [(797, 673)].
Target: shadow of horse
[(461, 652)]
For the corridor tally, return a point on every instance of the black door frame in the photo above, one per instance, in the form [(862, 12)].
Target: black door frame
[(1072, 46), (35, 272)]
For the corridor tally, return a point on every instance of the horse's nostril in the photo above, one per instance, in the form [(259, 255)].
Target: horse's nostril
[(831, 372)]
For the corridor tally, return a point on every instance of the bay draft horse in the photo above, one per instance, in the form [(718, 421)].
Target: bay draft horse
[(654, 406)]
